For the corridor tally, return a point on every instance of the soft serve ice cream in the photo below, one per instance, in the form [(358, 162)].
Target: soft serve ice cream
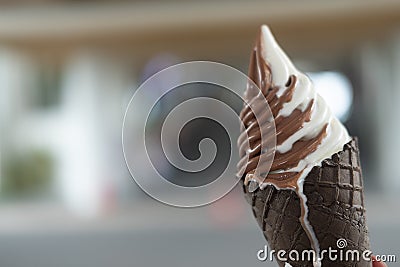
[(306, 130)]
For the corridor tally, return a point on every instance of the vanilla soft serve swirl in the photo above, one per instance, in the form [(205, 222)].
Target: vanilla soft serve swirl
[(307, 131)]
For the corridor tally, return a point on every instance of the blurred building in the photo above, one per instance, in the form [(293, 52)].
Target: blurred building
[(69, 68)]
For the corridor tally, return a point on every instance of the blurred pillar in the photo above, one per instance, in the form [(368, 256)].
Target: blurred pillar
[(16, 72), (92, 114), (380, 67)]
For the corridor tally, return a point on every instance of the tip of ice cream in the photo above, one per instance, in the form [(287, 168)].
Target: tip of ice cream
[(280, 64), (267, 34), (268, 37)]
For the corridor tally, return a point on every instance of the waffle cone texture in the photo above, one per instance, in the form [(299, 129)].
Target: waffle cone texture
[(335, 201)]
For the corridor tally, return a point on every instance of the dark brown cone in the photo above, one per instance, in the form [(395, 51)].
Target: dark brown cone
[(335, 200)]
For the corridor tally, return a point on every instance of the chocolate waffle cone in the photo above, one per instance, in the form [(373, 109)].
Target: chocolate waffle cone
[(336, 211)]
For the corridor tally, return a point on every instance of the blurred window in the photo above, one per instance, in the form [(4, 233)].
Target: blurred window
[(336, 90), (48, 86)]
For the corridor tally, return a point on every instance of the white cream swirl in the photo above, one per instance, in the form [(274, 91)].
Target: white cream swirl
[(282, 68)]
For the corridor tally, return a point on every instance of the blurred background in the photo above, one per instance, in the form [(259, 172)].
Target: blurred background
[(68, 69)]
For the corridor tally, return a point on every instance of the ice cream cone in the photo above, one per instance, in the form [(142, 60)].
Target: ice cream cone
[(311, 200), (335, 201)]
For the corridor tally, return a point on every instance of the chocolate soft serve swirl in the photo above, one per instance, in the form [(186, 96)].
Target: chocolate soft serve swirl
[(306, 130)]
